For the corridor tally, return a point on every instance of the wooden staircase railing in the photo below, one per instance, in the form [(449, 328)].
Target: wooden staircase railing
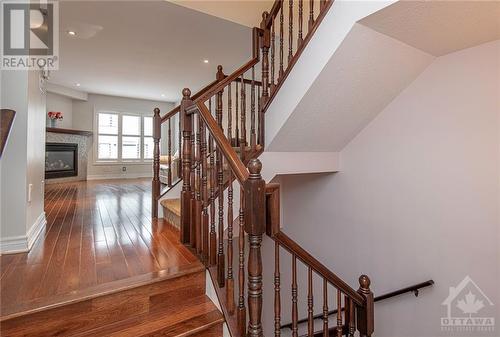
[(221, 133)]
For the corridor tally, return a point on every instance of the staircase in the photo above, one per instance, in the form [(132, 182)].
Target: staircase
[(225, 199)]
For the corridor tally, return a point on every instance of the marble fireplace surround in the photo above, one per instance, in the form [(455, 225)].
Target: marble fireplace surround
[(65, 136)]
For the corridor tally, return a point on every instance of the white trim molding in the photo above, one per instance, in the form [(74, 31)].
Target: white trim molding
[(23, 243), (119, 176), (36, 229)]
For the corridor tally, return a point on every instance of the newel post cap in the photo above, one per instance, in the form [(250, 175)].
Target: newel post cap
[(186, 93), (156, 111), (364, 284), (254, 167)]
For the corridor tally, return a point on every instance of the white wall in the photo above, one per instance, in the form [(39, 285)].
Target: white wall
[(23, 162), (63, 104), (417, 197), (83, 119)]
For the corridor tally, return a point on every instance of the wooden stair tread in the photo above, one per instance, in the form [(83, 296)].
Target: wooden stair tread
[(191, 317), (100, 290), (142, 303)]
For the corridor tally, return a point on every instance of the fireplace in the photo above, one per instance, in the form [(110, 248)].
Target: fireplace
[(61, 160)]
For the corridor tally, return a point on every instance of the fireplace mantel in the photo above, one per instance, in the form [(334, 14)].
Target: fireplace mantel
[(70, 131)]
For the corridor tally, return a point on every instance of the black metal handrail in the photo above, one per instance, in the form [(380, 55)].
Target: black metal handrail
[(414, 289)]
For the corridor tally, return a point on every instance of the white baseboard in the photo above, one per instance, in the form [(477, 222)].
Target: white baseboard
[(36, 229), (15, 244), (119, 176), (23, 243)]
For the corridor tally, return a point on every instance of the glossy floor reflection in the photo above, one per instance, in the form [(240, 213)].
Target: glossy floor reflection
[(97, 232)]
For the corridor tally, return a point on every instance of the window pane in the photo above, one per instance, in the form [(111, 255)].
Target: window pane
[(148, 126), (131, 147), (131, 125), (108, 147), (108, 123), (148, 147)]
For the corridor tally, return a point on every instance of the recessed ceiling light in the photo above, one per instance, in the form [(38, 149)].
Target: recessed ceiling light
[(205, 61), (71, 32), (77, 84), (162, 95)]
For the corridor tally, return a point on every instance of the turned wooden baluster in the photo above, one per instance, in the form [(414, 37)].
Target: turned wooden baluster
[(265, 44), (352, 318), (310, 304), (155, 185), (197, 205), (311, 16), (322, 5), (255, 223), (243, 139), (325, 309), (169, 152), (290, 31), (192, 222), (186, 167), (253, 135), (260, 119), (273, 52), (212, 176), (365, 314), (237, 131), (281, 71), (229, 114), (230, 219), (205, 197), (277, 296), (295, 309), (339, 313), (242, 316), (300, 40)]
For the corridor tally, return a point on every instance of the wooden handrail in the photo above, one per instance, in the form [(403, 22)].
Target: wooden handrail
[(414, 289), (237, 73), (198, 94), (294, 248), (237, 166)]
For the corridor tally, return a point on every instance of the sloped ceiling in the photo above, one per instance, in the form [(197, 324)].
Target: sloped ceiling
[(439, 27), (366, 72)]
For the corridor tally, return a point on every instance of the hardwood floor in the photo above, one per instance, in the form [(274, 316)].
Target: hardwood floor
[(97, 233)]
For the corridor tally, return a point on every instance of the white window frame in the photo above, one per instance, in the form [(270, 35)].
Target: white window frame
[(120, 160)]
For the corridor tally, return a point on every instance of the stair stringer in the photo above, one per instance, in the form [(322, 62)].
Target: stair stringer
[(334, 28)]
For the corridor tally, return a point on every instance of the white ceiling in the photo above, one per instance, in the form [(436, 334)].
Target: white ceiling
[(367, 71), (144, 49), (439, 27)]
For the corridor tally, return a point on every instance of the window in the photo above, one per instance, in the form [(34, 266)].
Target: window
[(124, 137), (148, 138)]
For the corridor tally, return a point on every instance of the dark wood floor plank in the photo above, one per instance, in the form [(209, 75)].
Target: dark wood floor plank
[(97, 233)]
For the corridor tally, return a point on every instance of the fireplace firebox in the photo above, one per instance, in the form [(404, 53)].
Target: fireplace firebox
[(61, 160)]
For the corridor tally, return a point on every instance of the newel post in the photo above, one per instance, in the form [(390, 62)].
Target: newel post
[(187, 128), (155, 192), (255, 226), (365, 314)]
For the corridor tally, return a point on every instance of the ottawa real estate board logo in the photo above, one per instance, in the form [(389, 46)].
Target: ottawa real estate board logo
[(30, 35), (468, 309)]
